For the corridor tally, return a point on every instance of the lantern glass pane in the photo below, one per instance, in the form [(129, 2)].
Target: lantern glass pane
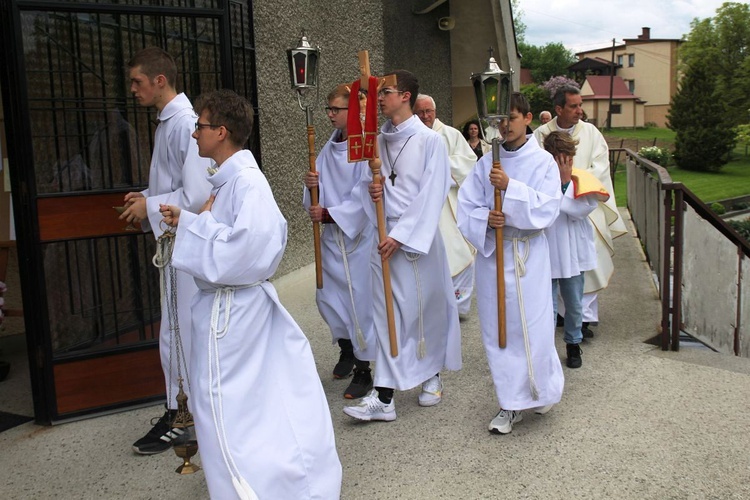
[(300, 70), (292, 77), (479, 97), (505, 92), (312, 69), (491, 97)]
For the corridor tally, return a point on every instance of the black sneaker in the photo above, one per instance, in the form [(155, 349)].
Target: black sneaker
[(161, 436), (560, 321), (574, 355), (344, 367), (360, 385), (587, 332)]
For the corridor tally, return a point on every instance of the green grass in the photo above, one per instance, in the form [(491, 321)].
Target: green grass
[(733, 180), (644, 134)]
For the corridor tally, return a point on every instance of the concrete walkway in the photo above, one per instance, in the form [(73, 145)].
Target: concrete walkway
[(634, 422)]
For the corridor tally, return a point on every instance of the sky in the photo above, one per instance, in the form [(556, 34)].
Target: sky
[(592, 24)]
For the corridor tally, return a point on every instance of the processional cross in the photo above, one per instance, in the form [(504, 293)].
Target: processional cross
[(362, 142)]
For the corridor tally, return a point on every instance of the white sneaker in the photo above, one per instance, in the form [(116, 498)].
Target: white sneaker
[(432, 391), (543, 409), (371, 408), (503, 422)]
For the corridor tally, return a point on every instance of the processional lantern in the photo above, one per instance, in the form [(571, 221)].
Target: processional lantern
[(303, 73), (303, 66), (492, 90)]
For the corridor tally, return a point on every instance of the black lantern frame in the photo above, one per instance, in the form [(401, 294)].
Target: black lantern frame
[(303, 65), (492, 91)]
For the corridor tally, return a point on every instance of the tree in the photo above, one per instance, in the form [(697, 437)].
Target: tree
[(714, 94), (704, 138), (518, 25), (538, 98), (555, 83), (546, 61), (722, 44)]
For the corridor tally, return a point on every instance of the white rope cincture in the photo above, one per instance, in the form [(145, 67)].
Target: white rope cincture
[(338, 236), (421, 346), (224, 294), (519, 263)]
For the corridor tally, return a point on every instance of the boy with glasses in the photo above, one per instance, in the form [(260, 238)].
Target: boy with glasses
[(345, 301), (261, 416), (416, 179)]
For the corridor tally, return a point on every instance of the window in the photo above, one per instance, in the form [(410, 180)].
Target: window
[(631, 60), (616, 109), (619, 60), (631, 86)]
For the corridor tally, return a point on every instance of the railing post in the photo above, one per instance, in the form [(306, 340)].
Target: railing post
[(666, 292), (679, 228)]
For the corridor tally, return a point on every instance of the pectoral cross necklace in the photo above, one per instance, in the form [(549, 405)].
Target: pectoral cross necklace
[(392, 164)]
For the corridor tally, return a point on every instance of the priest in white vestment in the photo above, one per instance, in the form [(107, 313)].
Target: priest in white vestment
[(462, 159), (261, 416), (527, 372), (592, 154)]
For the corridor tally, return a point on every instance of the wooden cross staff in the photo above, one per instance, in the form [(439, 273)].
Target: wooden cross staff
[(375, 164), (501, 333)]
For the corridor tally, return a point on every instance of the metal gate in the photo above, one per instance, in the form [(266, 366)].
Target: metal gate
[(77, 142)]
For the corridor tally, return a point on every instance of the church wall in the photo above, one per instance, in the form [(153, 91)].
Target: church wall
[(341, 31)]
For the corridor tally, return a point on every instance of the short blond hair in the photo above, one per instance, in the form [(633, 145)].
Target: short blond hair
[(560, 143)]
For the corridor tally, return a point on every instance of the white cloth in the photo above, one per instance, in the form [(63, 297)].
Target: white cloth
[(530, 204), (490, 133), (177, 177), (592, 154), (571, 236), (345, 301), (460, 252), (424, 303), (463, 284), (267, 398)]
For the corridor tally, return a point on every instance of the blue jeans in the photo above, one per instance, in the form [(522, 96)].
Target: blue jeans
[(571, 290)]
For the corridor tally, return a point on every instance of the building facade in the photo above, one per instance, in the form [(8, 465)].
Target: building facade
[(648, 66)]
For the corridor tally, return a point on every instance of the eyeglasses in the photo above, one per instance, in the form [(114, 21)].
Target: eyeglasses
[(385, 92), (425, 112), (199, 125), (334, 110)]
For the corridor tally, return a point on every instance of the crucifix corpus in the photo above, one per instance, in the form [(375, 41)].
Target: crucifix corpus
[(362, 127)]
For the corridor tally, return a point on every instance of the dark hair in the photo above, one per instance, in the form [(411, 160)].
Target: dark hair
[(519, 102), (407, 82), (466, 128), (562, 95), (560, 142), (153, 62), (225, 107)]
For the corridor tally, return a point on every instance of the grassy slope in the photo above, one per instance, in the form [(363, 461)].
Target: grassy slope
[(733, 179)]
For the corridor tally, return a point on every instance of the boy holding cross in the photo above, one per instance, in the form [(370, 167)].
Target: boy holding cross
[(416, 174)]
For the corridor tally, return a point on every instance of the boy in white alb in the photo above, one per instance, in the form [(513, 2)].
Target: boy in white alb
[(416, 173), (571, 238), (527, 372), (263, 432), (345, 301), (177, 177)]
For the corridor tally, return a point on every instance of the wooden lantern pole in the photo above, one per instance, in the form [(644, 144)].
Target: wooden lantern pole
[(314, 199), (499, 254)]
